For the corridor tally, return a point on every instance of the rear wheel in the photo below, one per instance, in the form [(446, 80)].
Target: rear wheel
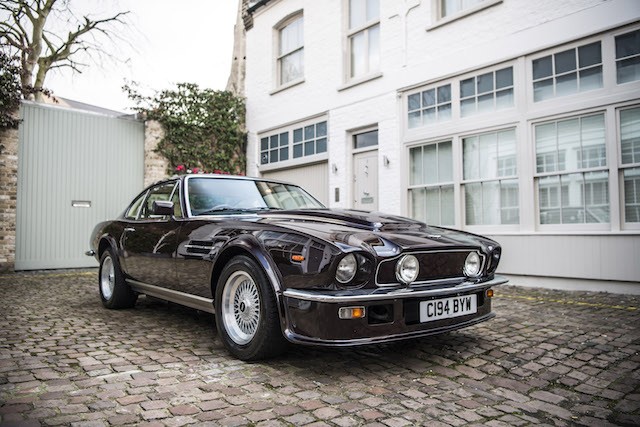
[(246, 312), (114, 291)]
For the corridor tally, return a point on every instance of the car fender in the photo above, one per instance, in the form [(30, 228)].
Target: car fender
[(247, 244)]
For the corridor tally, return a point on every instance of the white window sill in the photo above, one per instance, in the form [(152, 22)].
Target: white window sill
[(463, 13), (359, 81), (287, 86)]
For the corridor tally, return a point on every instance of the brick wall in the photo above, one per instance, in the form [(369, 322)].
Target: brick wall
[(155, 166), (8, 192)]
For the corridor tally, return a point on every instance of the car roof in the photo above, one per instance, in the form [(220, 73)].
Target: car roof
[(220, 176)]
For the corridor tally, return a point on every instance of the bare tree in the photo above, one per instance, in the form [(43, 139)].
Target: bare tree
[(35, 31)]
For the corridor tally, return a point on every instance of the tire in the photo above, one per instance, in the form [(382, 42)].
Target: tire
[(247, 316), (114, 291)]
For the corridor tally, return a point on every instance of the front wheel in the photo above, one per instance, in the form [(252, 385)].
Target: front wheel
[(114, 291), (246, 312)]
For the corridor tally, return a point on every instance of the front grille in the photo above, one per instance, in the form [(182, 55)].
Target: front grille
[(434, 267)]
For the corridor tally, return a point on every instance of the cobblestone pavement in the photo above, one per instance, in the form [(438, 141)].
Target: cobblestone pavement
[(549, 358)]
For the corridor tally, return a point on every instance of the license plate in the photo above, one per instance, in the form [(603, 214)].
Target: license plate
[(448, 307)]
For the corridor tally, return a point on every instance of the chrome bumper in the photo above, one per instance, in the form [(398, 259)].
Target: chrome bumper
[(385, 294)]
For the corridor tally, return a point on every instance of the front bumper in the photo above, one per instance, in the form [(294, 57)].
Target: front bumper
[(391, 314)]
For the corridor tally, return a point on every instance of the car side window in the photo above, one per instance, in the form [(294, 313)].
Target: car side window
[(177, 207), (160, 192), (133, 211)]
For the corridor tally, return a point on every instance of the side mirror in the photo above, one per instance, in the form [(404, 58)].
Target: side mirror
[(162, 207)]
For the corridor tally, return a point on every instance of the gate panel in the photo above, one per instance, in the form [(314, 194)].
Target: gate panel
[(75, 169)]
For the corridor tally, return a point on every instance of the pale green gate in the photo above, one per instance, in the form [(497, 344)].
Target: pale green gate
[(75, 169)]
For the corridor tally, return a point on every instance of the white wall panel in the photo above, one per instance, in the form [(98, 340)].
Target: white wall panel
[(65, 156)]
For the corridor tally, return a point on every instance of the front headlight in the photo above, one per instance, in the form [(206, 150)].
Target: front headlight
[(472, 264), (407, 269), (347, 268)]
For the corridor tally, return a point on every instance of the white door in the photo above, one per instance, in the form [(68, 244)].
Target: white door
[(365, 185)]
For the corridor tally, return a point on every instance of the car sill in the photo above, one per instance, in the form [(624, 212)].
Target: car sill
[(386, 293), (193, 301)]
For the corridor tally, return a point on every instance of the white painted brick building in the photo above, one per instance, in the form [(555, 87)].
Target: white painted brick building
[(517, 119)]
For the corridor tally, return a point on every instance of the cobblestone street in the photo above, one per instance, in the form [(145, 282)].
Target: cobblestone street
[(548, 358)]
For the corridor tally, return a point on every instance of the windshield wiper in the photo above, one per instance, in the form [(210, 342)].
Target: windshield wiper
[(232, 209)]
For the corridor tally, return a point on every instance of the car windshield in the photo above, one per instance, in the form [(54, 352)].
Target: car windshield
[(211, 196)]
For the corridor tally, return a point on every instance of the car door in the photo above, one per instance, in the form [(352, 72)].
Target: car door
[(150, 241)]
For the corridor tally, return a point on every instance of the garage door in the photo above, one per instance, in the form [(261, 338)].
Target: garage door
[(75, 169), (313, 178)]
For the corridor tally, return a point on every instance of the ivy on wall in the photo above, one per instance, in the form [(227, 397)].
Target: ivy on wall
[(204, 128), (10, 91)]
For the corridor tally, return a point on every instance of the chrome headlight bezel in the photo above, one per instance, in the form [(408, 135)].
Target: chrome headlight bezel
[(407, 269), (347, 269), (473, 264)]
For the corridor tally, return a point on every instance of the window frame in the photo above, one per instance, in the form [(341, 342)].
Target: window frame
[(350, 33), (621, 167), (289, 129), (616, 60), (437, 20), (607, 168), (278, 57)]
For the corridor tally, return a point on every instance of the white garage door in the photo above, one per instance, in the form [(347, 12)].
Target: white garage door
[(313, 178)]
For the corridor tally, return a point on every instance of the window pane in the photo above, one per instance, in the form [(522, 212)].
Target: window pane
[(415, 119), (309, 148), (632, 195), (549, 199), (504, 99), (413, 102), (628, 44), (415, 156), (491, 202), (358, 64), (444, 94), (446, 206), (291, 36), (542, 68), (471, 156), (284, 153), (373, 9), (473, 204), (274, 141), (565, 61), (509, 202), (445, 162), (284, 139), (321, 145), (429, 97), (357, 13), (367, 139), (596, 194), (543, 90), (297, 135), (418, 199), (467, 107), (567, 84), (628, 70), (433, 205), (504, 78), (321, 129), (374, 48), (444, 112), (630, 135), (568, 134), (309, 132), (488, 155), (467, 87), (593, 141), (507, 165), (430, 164), (589, 54), (297, 151), (572, 198), (546, 150), (264, 144), (590, 79), (273, 156), (485, 102), (485, 83)]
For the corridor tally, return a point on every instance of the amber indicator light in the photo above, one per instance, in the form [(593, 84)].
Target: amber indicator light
[(351, 313), (297, 258), (489, 293)]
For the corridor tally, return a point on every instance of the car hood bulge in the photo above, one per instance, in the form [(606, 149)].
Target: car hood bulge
[(384, 234)]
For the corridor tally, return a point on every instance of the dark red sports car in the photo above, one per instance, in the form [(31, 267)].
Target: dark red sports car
[(276, 266)]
